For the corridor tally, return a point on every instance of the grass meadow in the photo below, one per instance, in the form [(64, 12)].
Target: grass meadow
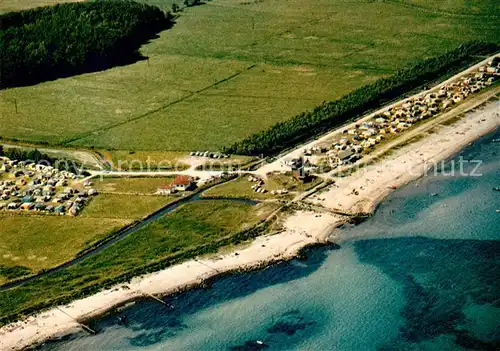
[(130, 185), (241, 187), (18, 5), (188, 227), (43, 241), (230, 68), (145, 160), (122, 206)]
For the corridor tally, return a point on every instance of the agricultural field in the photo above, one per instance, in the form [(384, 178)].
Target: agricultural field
[(230, 68), (124, 206), (32, 243), (17, 5), (38, 242), (190, 226), (145, 160), (132, 185)]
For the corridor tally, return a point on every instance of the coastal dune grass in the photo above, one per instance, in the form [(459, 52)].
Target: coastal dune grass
[(230, 68), (178, 234)]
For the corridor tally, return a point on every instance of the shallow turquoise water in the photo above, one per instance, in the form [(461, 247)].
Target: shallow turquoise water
[(422, 274)]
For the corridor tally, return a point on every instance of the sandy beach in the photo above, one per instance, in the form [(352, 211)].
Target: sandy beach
[(375, 181), (304, 227)]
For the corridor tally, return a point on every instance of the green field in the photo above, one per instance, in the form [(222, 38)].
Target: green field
[(233, 67), (192, 225), (242, 188), (17, 5), (145, 160), (131, 185), (124, 206), (44, 241), (39, 242)]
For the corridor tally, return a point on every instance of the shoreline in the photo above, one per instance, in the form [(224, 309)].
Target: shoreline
[(303, 228), (375, 182)]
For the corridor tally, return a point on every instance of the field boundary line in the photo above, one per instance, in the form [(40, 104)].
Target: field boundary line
[(144, 115)]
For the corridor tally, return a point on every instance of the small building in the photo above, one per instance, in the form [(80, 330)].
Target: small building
[(491, 69), (40, 207), (73, 211), (343, 155), (183, 183), (27, 206), (300, 174), (60, 209), (310, 167), (13, 206), (165, 190), (28, 199)]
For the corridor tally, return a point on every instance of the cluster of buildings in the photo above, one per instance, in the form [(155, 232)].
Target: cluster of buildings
[(35, 187), (208, 154), (181, 183), (353, 143), (258, 187)]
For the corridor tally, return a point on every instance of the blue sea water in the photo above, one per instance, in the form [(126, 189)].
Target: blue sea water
[(422, 274)]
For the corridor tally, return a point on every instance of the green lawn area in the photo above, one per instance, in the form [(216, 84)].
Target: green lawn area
[(124, 206), (187, 228), (237, 188), (191, 225), (230, 68), (242, 188), (39, 242), (286, 181), (146, 161), (44, 241), (130, 185)]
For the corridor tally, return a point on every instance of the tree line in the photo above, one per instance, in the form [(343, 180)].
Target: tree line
[(51, 42), (332, 114), (35, 156)]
